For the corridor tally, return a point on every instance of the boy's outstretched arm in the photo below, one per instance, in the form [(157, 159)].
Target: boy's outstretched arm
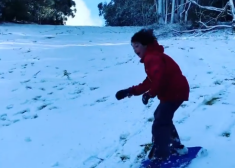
[(141, 88), (134, 90)]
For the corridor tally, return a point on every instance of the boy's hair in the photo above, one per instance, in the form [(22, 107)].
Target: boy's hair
[(144, 36)]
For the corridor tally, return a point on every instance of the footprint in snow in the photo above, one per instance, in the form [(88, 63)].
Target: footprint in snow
[(28, 51), (56, 164), (228, 127), (5, 121), (52, 108), (73, 98), (103, 99), (43, 81), (208, 126), (50, 37), (25, 81), (226, 134), (77, 92), (13, 90), (24, 66), (10, 106), (150, 119), (36, 98), (22, 112), (5, 124), (3, 117), (28, 87), (183, 105), (182, 120), (30, 116), (36, 58), (43, 89), (92, 59), (123, 138), (218, 82), (75, 83), (28, 139), (124, 158), (92, 161), (43, 106), (94, 88)]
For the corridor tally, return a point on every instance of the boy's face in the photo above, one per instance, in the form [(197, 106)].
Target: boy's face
[(139, 49)]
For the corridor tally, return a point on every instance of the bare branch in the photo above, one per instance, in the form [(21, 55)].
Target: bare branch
[(186, 13), (208, 28), (209, 7)]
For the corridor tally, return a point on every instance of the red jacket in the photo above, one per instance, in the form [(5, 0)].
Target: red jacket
[(164, 77)]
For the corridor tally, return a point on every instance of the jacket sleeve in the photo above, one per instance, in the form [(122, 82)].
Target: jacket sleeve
[(141, 88), (155, 70)]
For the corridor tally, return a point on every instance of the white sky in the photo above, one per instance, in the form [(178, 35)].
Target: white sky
[(84, 15)]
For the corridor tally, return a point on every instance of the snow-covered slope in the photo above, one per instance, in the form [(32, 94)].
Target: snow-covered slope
[(58, 106)]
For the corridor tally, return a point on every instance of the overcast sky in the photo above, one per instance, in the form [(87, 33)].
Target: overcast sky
[(87, 14)]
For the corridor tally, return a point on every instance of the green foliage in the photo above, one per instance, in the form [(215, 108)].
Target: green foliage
[(128, 13), (37, 11)]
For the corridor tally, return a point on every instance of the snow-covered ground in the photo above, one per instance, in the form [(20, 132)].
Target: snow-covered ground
[(58, 106)]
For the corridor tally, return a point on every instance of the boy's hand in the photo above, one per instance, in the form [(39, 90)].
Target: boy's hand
[(145, 98), (121, 94)]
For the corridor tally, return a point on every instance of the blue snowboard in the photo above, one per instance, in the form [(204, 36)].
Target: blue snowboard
[(175, 161)]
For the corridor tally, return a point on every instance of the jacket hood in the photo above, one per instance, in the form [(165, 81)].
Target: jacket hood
[(151, 48)]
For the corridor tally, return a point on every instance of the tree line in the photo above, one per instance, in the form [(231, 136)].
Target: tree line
[(200, 13), (53, 12)]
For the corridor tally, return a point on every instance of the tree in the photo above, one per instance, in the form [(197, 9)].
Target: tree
[(198, 13), (42, 12), (172, 11), (128, 13)]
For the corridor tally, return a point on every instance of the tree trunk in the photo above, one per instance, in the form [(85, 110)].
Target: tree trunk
[(166, 12), (232, 9), (163, 9), (172, 11), (156, 6), (186, 12), (181, 10), (177, 16), (159, 11)]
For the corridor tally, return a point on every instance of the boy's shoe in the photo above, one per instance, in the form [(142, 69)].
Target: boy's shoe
[(181, 150)]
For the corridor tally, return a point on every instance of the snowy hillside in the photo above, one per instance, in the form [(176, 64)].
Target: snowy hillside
[(58, 106)]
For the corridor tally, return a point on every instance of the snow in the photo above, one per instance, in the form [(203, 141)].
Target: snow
[(58, 106)]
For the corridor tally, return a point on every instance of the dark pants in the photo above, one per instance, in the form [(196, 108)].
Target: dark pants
[(163, 130)]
